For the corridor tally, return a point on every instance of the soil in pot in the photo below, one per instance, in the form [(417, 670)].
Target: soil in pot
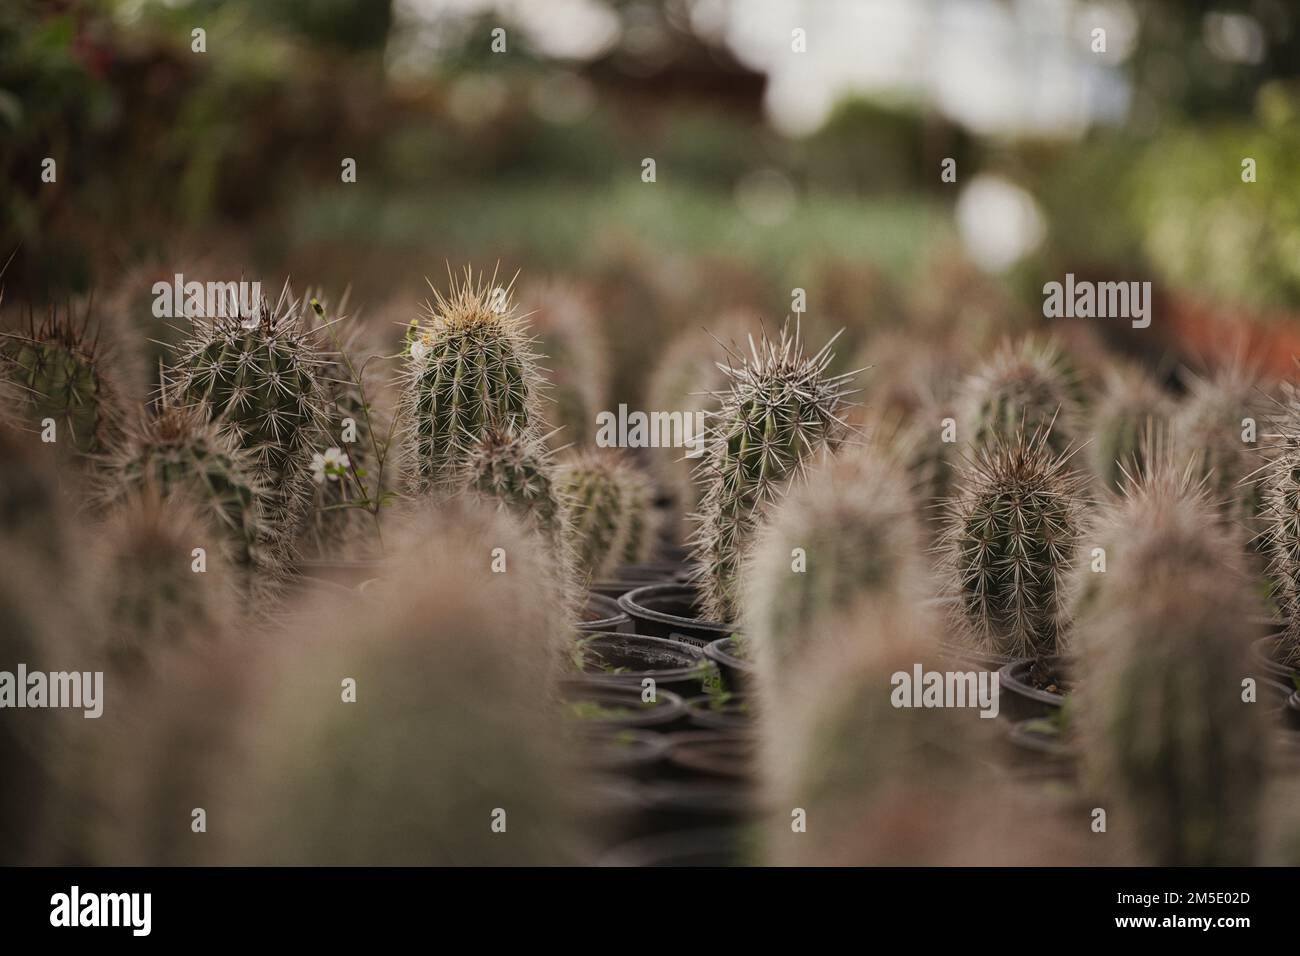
[(1032, 688), (725, 711), (626, 660), (611, 708), (731, 656), (671, 610), (602, 613)]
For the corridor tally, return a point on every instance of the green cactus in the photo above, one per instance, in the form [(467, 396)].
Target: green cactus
[(515, 469), (1164, 638), (1217, 423), (609, 502), (781, 410), (1009, 540), (383, 781), (259, 375), (469, 368), (1130, 402), (1023, 387), (575, 353), (153, 596), (835, 549), (1280, 535), (180, 453), (58, 370)]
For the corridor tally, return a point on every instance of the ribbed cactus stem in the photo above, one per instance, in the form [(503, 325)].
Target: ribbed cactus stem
[(1010, 536), (470, 367), (1130, 403), (1024, 387), (514, 469), (608, 501), (780, 410)]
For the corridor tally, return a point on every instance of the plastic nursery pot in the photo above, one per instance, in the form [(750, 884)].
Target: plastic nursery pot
[(973, 657), (727, 653), (626, 752), (670, 610), (713, 754), (612, 708), (1031, 688), (731, 712), (712, 847), (627, 660), (1264, 654), (1037, 745), (602, 613), (629, 577)]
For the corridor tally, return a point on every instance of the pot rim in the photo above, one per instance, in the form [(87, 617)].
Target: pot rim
[(1008, 678), (629, 602)]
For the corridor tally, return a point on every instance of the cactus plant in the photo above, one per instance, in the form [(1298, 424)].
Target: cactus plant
[(469, 367), (455, 681), (1130, 402), (1218, 423), (515, 469), (180, 453), (1023, 387), (832, 551), (573, 348), (1280, 535), (780, 410), (609, 502), (1164, 638), (1009, 540), (258, 374), (155, 593), (58, 370)]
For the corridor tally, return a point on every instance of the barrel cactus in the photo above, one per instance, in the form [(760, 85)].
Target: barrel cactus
[(1023, 387), (259, 375), (1011, 530), (58, 369), (470, 366), (780, 410), (1280, 536), (515, 469), (574, 352), (1170, 743), (1130, 403), (610, 517), (1218, 423)]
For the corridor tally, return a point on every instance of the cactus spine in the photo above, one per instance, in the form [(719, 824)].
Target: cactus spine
[(780, 410), (1281, 531), (1130, 403), (470, 367), (1215, 424), (515, 470), (609, 511), (1023, 387), (57, 370), (1010, 535), (258, 374), (1164, 638)]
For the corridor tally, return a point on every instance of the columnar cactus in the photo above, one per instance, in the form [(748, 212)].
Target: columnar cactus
[(1009, 540), (1164, 639), (1218, 424), (1024, 387), (575, 355), (470, 367), (57, 369), (1281, 524), (781, 409), (609, 503), (832, 552), (157, 595), (259, 374), (465, 648), (514, 469), (1129, 404), (180, 453)]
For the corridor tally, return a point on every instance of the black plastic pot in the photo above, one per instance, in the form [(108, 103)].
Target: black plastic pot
[(1019, 698), (679, 805), (1264, 653), (610, 708), (633, 753), (602, 614), (671, 610), (629, 577), (1033, 747), (732, 713), (712, 754), (710, 847), (626, 660), (737, 673)]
